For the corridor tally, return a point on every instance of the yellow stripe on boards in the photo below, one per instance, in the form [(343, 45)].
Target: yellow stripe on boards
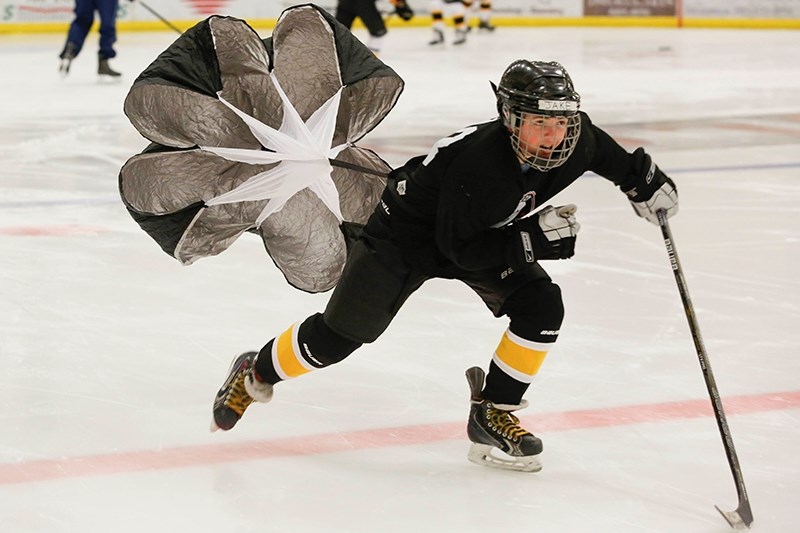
[(519, 358), (288, 359), (124, 26)]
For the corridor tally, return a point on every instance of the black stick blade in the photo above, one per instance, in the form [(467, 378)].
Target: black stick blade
[(741, 518)]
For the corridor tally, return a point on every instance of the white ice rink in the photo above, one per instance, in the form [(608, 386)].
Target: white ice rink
[(111, 352)]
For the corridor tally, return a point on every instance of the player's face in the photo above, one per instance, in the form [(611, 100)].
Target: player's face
[(541, 134)]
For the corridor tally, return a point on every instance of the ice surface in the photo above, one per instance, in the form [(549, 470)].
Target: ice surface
[(111, 352)]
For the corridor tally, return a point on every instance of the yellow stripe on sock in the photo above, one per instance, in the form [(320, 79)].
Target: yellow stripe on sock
[(287, 358), (517, 360)]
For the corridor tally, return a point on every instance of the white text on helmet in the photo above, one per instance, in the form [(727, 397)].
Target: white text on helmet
[(558, 105)]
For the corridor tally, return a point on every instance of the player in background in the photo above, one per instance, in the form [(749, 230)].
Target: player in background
[(448, 8), (348, 10), (474, 210), (482, 11), (79, 29)]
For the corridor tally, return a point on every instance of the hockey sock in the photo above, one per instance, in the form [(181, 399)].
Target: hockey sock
[(438, 20), (455, 10), (301, 349), (485, 12), (515, 363)]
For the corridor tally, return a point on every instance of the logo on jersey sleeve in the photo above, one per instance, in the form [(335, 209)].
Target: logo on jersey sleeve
[(523, 209)]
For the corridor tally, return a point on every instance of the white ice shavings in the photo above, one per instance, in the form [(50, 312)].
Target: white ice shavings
[(302, 149)]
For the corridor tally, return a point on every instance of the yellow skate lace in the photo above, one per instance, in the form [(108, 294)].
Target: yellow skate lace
[(505, 424), (237, 399)]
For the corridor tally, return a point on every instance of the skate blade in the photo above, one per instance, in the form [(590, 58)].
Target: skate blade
[(105, 79), (484, 455)]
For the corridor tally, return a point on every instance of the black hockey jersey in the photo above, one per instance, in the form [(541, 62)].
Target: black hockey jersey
[(450, 209)]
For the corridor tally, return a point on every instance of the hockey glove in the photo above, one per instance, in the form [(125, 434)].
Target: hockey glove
[(652, 191), (403, 10), (549, 234)]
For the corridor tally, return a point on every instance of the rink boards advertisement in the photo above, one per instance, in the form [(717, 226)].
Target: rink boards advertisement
[(44, 15)]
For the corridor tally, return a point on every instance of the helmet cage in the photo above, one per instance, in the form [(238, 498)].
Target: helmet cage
[(540, 156)]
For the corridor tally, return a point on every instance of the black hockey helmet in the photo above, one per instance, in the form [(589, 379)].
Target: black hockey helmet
[(542, 87), (538, 88)]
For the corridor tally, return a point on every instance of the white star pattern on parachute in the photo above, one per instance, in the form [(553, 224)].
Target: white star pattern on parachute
[(302, 149)]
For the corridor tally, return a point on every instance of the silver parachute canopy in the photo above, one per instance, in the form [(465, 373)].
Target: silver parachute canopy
[(252, 135)]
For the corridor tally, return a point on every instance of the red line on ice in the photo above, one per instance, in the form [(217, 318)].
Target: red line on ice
[(203, 455), (64, 230)]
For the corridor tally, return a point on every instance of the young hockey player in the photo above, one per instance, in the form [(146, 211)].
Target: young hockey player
[(79, 29), (470, 210), (482, 11), (348, 10), (453, 9)]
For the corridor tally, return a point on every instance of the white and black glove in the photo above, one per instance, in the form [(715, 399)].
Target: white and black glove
[(548, 234), (652, 191)]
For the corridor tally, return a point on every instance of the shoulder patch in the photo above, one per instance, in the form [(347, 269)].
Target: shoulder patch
[(447, 141)]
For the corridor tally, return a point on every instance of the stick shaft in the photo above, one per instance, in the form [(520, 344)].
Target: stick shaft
[(159, 17), (705, 365)]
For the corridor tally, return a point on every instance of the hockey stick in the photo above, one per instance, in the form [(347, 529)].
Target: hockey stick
[(742, 517), (159, 17)]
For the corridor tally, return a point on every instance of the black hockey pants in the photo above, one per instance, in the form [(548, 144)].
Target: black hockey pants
[(377, 281)]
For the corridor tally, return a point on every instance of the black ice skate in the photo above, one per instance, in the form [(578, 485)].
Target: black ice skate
[(237, 393), (438, 38), (104, 69), (67, 55), (485, 25), (493, 426), (461, 36)]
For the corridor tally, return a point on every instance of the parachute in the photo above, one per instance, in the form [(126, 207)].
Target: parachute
[(258, 135)]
